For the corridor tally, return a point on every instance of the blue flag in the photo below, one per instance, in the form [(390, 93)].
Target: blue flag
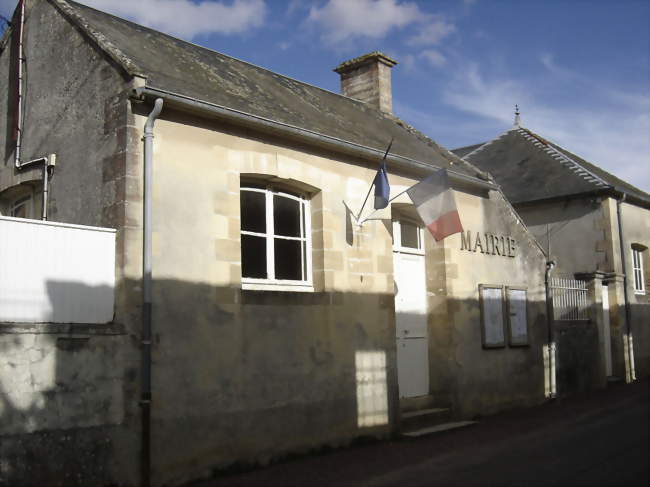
[(382, 188)]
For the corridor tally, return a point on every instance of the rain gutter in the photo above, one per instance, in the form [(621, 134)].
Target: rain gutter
[(186, 103)]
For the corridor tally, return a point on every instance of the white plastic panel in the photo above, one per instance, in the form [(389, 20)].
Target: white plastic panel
[(56, 273)]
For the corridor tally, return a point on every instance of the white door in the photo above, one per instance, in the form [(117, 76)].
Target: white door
[(410, 311), (607, 338)]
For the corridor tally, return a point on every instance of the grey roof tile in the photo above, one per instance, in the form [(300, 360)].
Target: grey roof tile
[(530, 168)]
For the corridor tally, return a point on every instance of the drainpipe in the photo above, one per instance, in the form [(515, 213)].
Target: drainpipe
[(630, 374), (552, 392), (145, 401), (48, 164), (48, 168), (19, 102)]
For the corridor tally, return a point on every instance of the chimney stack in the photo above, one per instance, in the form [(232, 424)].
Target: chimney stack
[(367, 78)]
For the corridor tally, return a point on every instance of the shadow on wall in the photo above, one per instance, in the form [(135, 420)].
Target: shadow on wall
[(62, 395), (238, 376)]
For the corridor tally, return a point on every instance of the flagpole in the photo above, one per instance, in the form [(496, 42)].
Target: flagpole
[(393, 198), (365, 201), (373, 182)]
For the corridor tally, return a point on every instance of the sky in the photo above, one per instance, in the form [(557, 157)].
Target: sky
[(578, 69)]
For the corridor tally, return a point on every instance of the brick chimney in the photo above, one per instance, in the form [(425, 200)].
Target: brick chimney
[(367, 78)]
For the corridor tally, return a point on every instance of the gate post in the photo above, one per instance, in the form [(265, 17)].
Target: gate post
[(595, 312)]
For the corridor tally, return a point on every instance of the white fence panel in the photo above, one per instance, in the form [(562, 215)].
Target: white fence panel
[(55, 272)]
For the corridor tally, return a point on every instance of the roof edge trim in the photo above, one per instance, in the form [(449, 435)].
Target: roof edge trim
[(611, 191), (273, 126), (102, 42), (562, 158)]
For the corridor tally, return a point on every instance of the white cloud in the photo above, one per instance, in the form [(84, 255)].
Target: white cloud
[(607, 131), (187, 19), (432, 32), (342, 20), (434, 57)]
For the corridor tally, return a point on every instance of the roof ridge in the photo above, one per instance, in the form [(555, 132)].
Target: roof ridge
[(100, 39), (559, 156)]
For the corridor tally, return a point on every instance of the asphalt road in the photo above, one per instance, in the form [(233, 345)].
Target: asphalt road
[(593, 439)]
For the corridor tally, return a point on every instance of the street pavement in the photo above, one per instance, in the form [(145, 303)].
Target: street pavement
[(598, 438)]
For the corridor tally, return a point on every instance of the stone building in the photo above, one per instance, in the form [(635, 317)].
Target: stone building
[(596, 227), (283, 318)]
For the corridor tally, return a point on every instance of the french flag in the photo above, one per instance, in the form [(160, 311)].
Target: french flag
[(435, 203)]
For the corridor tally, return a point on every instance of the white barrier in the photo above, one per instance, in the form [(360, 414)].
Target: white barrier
[(56, 272)]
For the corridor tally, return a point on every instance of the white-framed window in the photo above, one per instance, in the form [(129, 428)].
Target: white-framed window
[(275, 239), (637, 268), (408, 237)]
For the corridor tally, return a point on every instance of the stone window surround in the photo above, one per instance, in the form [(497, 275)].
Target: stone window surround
[(271, 190)]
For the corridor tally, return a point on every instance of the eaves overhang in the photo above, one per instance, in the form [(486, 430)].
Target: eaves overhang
[(613, 191), (268, 126)]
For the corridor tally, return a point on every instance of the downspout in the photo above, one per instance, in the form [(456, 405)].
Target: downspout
[(145, 401), (550, 350), (630, 374), (19, 107), (48, 163), (48, 168)]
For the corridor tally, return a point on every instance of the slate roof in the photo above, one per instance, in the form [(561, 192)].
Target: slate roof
[(529, 168), (181, 67)]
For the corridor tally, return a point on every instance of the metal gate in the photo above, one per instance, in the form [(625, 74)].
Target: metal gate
[(570, 301)]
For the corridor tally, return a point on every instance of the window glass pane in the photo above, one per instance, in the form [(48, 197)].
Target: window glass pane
[(253, 211), (286, 216), (410, 237), (288, 259), (253, 256)]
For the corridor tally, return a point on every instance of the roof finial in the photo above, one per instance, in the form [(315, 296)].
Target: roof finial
[(517, 117)]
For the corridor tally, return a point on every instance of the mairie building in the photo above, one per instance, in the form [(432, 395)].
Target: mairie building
[(189, 277)]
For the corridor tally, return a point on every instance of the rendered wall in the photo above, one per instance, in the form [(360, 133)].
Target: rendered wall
[(577, 234), (485, 380)]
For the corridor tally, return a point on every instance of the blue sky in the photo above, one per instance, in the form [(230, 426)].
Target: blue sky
[(579, 69)]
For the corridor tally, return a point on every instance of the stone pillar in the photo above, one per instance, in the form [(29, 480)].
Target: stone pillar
[(596, 318), (617, 323), (368, 79)]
